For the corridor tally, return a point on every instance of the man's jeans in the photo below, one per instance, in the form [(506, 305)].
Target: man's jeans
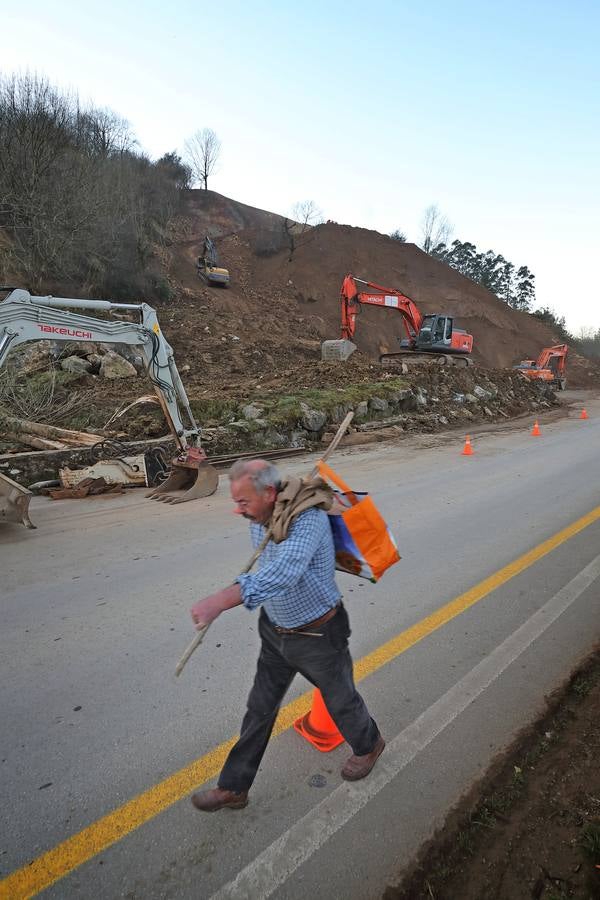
[(326, 662)]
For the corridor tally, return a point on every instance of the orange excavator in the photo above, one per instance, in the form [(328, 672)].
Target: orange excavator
[(427, 336), (550, 366)]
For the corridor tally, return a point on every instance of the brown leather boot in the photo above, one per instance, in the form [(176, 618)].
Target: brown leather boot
[(357, 767), (219, 798)]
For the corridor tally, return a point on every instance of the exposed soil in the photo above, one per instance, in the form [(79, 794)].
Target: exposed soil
[(531, 827), (280, 306), (263, 333)]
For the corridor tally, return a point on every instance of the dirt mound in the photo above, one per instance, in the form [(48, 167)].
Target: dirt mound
[(280, 305)]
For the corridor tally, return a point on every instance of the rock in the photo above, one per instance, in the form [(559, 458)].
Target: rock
[(114, 366), (361, 410), (251, 411), (298, 437), (275, 438), (481, 393), (378, 405), (313, 419), (421, 398), (34, 358), (340, 412), (75, 365), (404, 368), (95, 361)]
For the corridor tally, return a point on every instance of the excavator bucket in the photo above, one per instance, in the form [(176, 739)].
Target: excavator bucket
[(14, 502), (191, 476), (337, 351)]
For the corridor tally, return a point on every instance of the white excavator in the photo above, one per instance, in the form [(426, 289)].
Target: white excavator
[(24, 317)]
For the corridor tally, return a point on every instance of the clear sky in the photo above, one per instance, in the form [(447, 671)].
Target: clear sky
[(372, 110)]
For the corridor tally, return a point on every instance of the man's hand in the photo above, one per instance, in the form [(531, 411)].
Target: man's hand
[(205, 611)]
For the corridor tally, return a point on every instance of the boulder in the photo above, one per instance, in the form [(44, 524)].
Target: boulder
[(251, 411), (114, 366), (76, 365), (361, 410), (313, 419), (378, 405)]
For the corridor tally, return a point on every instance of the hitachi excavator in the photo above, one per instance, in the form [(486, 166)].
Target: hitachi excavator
[(550, 366), (24, 317), (427, 336)]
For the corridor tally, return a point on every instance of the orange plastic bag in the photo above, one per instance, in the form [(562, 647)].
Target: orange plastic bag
[(364, 545)]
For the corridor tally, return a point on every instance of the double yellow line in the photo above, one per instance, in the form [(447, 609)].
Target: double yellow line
[(50, 867)]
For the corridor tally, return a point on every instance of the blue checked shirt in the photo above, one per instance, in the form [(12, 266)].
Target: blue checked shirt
[(295, 579)]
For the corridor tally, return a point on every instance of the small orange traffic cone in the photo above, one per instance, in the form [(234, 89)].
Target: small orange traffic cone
[(536, 429), (318, 727), (468, 450), (584, 414)]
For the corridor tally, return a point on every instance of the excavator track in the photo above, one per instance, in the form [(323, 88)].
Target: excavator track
[(393, 360)]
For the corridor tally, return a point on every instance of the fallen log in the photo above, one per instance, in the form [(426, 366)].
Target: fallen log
[(66, 436), (35, 441)]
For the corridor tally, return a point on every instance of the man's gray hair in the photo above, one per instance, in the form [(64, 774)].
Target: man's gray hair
[(262, 473)]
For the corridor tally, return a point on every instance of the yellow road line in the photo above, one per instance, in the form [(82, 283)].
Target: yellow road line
[(50, 867)]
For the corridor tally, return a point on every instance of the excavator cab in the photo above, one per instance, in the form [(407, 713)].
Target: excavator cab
[(435, 333)]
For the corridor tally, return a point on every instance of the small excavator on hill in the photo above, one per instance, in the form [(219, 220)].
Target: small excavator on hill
[(208, 265), (24, 317), (550, 366), (426, 335)]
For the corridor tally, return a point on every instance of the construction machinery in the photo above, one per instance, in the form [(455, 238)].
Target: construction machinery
[(550, 366), (428, 337), (24, 317), (208, 265)]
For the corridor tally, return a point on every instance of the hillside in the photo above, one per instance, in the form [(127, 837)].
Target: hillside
[(278, 309)]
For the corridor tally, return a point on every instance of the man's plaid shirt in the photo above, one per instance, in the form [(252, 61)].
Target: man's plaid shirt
[(296, 578)]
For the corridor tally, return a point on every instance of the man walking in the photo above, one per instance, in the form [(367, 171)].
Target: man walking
[(303, 625)]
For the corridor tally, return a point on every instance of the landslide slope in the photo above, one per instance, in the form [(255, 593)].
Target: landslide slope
[(280, 305)]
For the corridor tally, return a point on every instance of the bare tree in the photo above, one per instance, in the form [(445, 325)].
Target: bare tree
[(202, 151), (305, 215), (435, 229)]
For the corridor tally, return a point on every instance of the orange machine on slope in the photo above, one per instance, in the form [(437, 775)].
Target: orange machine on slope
[(425, 335), (550, 366)]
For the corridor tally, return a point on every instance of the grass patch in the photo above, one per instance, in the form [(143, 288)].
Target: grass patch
[(590, 841), (287, 409)]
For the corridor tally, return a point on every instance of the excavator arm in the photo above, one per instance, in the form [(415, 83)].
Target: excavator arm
[(550, 366), (376, 295), (24, 317), (431, 334)]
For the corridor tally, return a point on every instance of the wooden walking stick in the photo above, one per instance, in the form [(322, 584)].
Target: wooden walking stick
[(314, 472)]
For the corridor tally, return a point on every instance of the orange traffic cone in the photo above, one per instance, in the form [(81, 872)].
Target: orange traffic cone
[(318, 727), (468, 450), (536, 429), (584, 414)]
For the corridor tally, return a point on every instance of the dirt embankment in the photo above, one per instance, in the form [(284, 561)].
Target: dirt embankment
[(280, 305), (531, 829)]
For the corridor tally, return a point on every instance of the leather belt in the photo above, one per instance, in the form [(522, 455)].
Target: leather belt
[(302, 629)]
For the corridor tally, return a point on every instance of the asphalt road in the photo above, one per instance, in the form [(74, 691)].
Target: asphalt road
[(95, 616)]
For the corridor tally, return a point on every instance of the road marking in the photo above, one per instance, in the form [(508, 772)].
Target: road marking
[(271, 868), (58, 862)]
